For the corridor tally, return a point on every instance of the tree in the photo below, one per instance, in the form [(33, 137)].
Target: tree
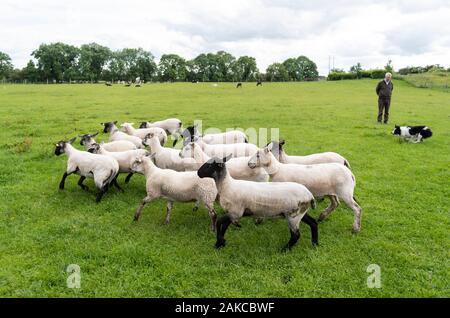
[(93, 58), (127, 64), (225, 63), (356, 69), (6, 66), (57, 61), (389, 68), (198, 69), (277, 72), (30, 72), (172, 68), (301, 69), (245, 69)]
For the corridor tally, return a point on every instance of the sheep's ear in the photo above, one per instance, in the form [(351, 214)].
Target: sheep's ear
[(282, 142), (71, 141), (269, 147), (115, 123), (95, 134)]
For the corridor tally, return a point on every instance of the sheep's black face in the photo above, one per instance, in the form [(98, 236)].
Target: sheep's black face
[(214, 168), (143, 125), (188, 135), (59, 149), (85, 139), (109, 126)]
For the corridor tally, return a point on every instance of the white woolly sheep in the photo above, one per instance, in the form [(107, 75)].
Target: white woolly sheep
[(229, 137), (259, 199), (326, 179), (168, 158), (175, 186), (224, 150), (141, 133), (88, 140), (172, 126), (115, 134), (237, 167), (324, 157), (124, 158), (102, 169)]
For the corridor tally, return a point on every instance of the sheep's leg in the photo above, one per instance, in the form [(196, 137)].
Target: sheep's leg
[(294, 222), (146, 200), (168, 211), (333, 205), (313, 225), (259, 221), (63, 180), (212, 214), (221, 227), (195, 208), (352, 204), (114, 182), (100, 193), (127, 179), (80, 183)]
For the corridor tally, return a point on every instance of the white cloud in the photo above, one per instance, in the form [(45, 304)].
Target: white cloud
[(370, 32)]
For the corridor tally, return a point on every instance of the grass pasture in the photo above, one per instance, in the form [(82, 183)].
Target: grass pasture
[(403, 189)]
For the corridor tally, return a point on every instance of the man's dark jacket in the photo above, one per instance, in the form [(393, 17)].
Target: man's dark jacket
[(385, 90)]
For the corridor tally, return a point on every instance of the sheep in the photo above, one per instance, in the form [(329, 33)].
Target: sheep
[(116, 134), (237, 167), (324, 157), (172, 126), (235, 150), (326, 179), (102, 169), (229, 137), (239, 85), (124, 158), (142, 132), (174, 186), (88, 140), (168, 158), (259, 199)]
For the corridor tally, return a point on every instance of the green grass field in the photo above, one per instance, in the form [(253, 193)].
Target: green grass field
[(403, 189)]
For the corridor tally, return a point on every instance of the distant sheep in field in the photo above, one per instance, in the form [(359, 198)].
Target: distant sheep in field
[(259, 84), (239, 85)]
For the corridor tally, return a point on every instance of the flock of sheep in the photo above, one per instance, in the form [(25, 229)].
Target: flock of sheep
[(211, 168)]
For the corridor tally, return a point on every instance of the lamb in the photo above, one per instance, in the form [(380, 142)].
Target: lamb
[(102, 169), (325, 157), (141, 133), (115, 134), (124, 158), (168, 158), (237, 167), (88, 140), (175, 186), (172, 126), (235, 150), (259, 199), (229, 137), (326, 179)]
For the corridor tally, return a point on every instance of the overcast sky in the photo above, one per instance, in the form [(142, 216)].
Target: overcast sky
[(410, 32)]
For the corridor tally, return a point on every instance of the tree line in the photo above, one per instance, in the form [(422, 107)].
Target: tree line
[(60, 62)]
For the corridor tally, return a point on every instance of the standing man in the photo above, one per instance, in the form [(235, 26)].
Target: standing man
[(384, 91)]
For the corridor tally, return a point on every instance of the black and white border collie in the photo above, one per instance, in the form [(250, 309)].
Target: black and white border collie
[(412, 133)]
